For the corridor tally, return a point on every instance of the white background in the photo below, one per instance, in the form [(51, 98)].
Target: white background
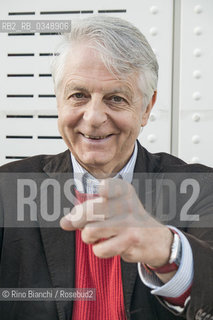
[(181, 34)]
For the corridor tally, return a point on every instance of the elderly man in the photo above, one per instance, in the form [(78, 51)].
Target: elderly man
[(105, 79)]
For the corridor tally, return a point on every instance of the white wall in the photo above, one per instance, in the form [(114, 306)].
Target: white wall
[(180, 33)]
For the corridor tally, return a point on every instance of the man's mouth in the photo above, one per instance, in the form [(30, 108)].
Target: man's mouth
[(96, 137)]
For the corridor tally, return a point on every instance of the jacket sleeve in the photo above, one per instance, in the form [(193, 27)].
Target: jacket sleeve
[(198, 229), (202, 286), (200, 237)]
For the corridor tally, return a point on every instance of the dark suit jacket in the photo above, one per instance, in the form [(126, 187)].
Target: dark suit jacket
[(43, 257)]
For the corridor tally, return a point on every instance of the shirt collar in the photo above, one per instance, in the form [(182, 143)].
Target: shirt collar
[(86, 183)]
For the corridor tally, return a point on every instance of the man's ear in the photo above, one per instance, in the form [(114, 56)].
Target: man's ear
[(148, 110)]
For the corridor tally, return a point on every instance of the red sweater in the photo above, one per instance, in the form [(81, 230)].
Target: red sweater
[(102, 274)]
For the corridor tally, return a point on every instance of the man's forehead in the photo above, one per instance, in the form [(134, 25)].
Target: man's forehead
[(110, 86), (82, 60)]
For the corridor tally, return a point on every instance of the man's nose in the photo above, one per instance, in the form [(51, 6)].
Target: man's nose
[(95, 112)]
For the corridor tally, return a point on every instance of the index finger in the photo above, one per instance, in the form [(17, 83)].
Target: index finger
[(81, 215)]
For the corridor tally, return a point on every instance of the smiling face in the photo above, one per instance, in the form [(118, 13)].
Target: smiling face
[(99, 115)]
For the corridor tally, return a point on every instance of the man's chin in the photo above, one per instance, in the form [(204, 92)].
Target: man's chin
[(95, 162)]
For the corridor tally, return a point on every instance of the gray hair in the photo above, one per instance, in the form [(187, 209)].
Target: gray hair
[(122, 47)]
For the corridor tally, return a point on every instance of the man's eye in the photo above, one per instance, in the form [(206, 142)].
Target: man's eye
[(117, 99), (78, 95)]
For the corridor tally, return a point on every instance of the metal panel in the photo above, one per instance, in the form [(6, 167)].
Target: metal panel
[(196, 136), (196, 100)]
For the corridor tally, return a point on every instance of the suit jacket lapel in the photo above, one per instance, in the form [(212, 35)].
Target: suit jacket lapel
[(59, 245), (129, 275)]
